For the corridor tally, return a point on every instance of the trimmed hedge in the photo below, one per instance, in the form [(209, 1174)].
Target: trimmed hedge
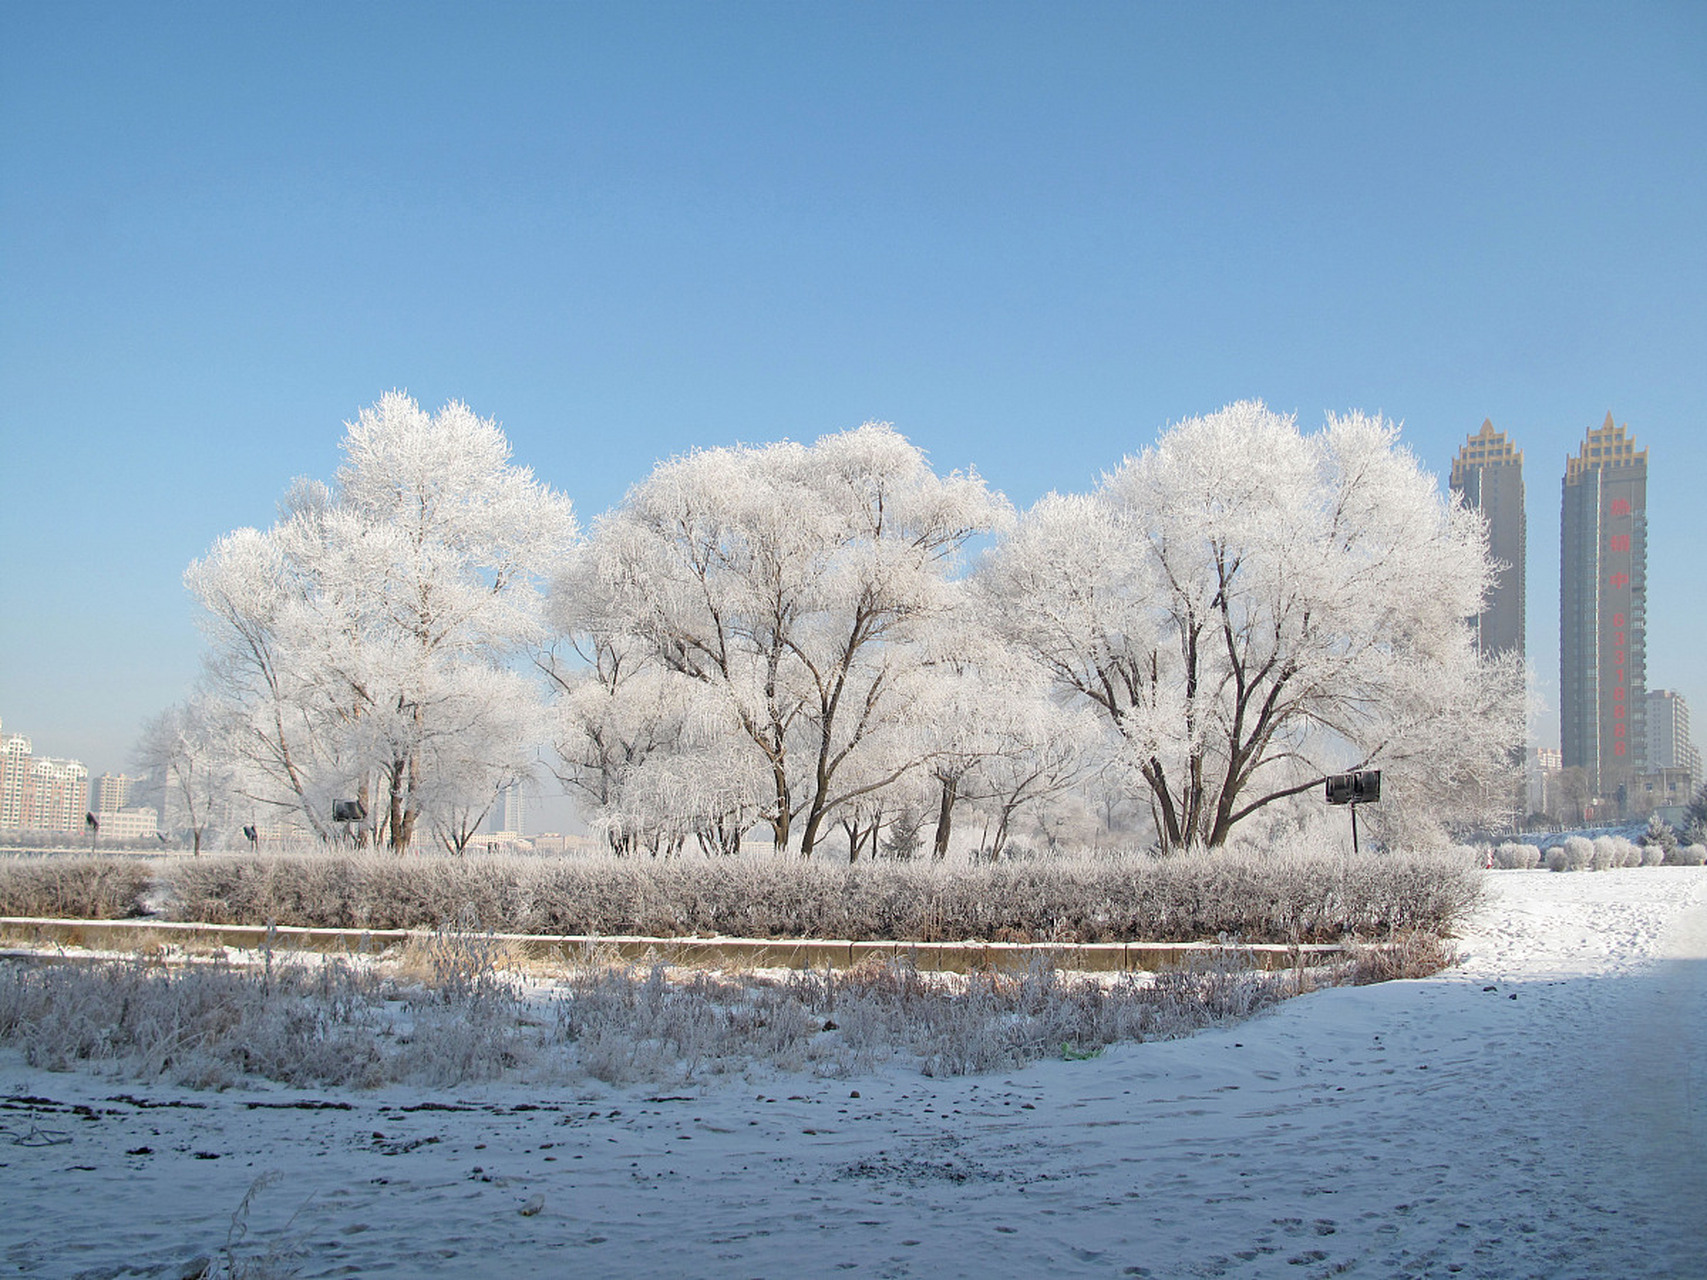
[(1253, 896)]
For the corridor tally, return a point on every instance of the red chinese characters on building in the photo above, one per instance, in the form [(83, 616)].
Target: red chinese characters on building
[(1615, 708), (1620, 709)]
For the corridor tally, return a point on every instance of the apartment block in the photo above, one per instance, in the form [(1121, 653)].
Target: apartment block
[(40, 793), (1669, 743)]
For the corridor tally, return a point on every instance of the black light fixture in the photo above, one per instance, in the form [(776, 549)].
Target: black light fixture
[(1361, 787)]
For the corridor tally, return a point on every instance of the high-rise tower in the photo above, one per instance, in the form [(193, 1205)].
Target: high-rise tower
[(515, 809), (1669, 743), (1603, 601), (1488, 472)]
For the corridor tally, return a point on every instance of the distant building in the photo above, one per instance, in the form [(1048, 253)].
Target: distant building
[(555, 842), (515, 809), (40, 793), (1488, 472), (14, 779), (1651, 789), (58, 795), (142, 823), (111, 792), (1669, 744), (1603, 602), (1541, 769)]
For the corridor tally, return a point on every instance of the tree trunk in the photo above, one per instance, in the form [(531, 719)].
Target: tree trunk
[(784, 806), (394, 809), (814, 820), (944, 818)]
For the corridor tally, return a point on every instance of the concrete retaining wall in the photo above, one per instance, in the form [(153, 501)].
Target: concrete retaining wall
[(957, 957)]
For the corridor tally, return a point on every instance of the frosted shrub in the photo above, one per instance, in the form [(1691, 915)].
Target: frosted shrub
[(1652, 855), (1629, 852), (1604, 855), (73, 887), (1575, 854), (1659, 832), (1687, 855), (1517, 857)]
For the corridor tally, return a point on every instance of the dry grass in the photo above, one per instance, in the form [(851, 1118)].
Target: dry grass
[(449, 1014), (1411, 955), (629, 1025), (1253, 896), (301, 1021)]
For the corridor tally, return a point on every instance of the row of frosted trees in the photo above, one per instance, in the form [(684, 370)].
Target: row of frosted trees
[(788, 642)]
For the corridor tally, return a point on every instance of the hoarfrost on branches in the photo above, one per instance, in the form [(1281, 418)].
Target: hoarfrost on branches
[(363, 646), (779, 635), (185, 771), (804, 592), (1249, 608)]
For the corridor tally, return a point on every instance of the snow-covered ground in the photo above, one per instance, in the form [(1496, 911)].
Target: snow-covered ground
[(1540, 1110)]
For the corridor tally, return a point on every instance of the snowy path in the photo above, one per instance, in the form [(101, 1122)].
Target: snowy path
[(1412, 1129)]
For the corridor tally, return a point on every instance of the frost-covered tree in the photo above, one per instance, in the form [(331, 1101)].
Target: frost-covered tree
[(1002, 741), (802, 590), (1040, 751), (1696, 815), (187, 775), (1660, 832), (364, 646), (639, 745), (616, 709), (1249, 608)]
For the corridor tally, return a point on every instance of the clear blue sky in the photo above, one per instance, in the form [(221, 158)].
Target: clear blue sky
[(1029, 236)]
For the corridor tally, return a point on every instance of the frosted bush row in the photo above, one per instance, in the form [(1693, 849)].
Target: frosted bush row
[(1602, 853), (1266, 896)]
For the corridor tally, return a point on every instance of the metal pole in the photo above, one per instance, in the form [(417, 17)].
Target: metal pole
[(1353, 807)]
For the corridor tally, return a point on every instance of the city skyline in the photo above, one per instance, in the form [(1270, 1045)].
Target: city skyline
[(1029, 241)]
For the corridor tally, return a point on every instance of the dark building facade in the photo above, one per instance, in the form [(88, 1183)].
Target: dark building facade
[(1603, 600), (1488, 472)]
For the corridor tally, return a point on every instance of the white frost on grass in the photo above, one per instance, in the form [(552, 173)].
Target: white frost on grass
[(1420, 1128)]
